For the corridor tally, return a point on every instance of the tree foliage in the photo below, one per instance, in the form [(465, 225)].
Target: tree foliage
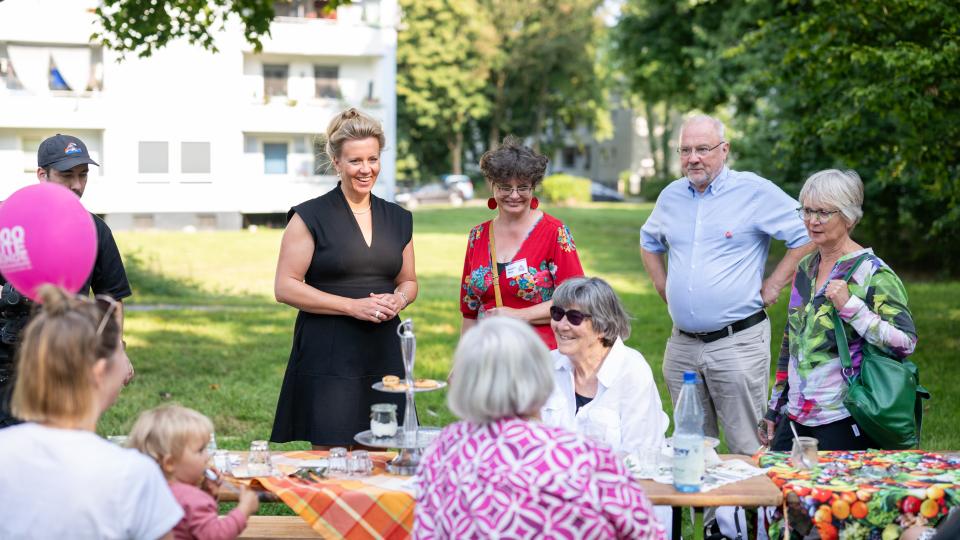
[(811, 84), (525, 68), (141, 28), (443, 61)]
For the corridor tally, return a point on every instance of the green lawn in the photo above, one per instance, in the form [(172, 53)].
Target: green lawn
[(227, 358)]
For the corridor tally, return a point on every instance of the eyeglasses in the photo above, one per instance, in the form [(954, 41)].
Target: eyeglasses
[(809, 214), (506, 190), (686, 151), (574, 317), (111, 307)]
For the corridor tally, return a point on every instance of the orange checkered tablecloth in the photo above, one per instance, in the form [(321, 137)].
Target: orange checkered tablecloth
[(376, 506)]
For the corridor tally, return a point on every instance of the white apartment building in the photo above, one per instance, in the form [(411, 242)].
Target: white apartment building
[(188, 137)]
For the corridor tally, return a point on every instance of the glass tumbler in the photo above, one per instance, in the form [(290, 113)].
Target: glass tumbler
[(803, 455), (337, 462), (258, 462), (359, 463)]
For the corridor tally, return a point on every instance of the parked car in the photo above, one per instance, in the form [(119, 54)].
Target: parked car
[(437, 192), (462, 183), (602, 193)]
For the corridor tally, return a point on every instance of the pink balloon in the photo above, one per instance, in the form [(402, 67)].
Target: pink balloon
[(46, 236)]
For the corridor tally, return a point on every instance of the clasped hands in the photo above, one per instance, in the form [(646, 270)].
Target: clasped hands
[(377, 307)]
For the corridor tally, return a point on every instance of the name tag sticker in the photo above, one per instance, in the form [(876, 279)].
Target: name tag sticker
[(517, 268)]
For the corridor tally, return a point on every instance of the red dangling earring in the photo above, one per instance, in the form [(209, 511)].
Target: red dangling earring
[(492, 203), (534, 203)]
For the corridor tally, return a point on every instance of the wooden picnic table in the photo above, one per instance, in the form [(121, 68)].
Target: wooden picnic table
[(753, 492)]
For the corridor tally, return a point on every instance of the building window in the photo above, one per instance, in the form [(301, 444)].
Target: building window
[(569, 156), (326, 80), (195, 157), (275, 79), (143, 221), (154, 157), (275, 158), (206, 221)]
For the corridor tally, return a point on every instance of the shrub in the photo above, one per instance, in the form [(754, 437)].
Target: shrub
[(566, 189)]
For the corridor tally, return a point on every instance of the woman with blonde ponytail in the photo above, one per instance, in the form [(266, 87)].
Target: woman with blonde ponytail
[(346, 262), (58, 478)]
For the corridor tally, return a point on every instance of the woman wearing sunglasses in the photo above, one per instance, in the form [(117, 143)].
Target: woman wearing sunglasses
[(604, 389), (533, 251)]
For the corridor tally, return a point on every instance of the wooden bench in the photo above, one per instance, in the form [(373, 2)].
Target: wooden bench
[(266, 527)]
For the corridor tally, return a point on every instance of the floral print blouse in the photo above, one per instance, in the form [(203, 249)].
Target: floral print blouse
[(551, 258), (521, 479), (810, 385)]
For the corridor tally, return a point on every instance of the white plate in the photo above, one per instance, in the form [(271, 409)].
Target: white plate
[(379, 386)]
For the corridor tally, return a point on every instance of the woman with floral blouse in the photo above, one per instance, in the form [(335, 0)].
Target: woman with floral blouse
[(534, 251), (810, 383)]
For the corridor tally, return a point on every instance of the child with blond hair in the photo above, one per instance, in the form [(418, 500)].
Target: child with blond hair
[(176, 437)]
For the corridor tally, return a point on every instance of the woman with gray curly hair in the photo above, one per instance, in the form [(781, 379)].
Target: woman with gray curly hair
[(603, 388), (499, 473), (516, 260)]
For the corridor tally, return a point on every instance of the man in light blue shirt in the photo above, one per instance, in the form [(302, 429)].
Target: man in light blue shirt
[(715, 226)]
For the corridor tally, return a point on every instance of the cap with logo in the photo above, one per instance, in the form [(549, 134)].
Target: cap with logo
[(63, 152)]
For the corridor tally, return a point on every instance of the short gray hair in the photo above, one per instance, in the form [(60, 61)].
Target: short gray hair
[(697, 118), (595, 297), (842, 189), (501, 369)]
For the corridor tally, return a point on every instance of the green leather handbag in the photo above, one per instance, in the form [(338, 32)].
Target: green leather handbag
[(885, 398)]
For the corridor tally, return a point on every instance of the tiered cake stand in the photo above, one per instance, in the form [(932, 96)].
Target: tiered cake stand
[(411, 439)]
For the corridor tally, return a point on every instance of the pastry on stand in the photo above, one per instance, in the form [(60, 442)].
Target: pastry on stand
[(411, 439)]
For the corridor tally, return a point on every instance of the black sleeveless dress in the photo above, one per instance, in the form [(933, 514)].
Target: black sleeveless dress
[(326, 393)]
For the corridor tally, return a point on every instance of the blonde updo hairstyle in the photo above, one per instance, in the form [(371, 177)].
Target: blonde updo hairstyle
[(351, 125), (58, 348)]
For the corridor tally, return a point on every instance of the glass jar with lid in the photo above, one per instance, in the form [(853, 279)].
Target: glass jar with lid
[(383, 419)]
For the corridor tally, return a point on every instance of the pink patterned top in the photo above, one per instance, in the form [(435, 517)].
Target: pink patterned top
[(520, 479)]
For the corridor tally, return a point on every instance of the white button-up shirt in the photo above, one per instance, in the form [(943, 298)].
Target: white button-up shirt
[(626, 410)]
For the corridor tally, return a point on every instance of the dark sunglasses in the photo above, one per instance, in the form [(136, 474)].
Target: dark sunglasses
[(574, 317)]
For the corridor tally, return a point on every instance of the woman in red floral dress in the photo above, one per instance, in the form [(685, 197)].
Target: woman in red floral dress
[(534, 250)]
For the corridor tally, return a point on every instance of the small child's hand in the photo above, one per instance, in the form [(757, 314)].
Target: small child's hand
[(211, 482), (249, 501)]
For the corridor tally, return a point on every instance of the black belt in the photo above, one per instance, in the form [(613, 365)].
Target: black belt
[(729, 330)]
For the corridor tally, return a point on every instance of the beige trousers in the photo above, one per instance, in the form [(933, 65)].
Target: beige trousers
[(735, 375)]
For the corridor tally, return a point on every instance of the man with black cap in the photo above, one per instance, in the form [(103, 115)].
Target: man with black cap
[(64, 160)]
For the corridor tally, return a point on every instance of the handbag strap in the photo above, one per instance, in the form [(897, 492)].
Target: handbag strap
[(496, 272), (838, 329)]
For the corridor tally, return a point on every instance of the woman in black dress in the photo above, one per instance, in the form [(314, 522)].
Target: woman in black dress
[(346, 262)]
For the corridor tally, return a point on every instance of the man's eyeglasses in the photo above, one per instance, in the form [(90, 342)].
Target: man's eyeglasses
[(111, 308), (507, 190), (574, 317), (686, 151), (809, 214)]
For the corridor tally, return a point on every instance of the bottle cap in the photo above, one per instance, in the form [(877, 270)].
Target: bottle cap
[(689, 377)]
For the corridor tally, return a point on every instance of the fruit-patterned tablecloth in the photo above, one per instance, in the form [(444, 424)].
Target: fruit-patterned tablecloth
[(869, 495)]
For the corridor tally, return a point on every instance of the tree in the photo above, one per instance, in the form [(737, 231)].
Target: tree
[(811, 84), (443, 60), (545, 76), (134, 26)]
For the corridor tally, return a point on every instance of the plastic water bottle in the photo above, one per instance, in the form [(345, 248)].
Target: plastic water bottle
[(688, 438)]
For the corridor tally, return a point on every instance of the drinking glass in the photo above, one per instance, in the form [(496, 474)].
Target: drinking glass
[(803, 455), (258, 462), (359, 463), (337, 462), (647, 459)]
